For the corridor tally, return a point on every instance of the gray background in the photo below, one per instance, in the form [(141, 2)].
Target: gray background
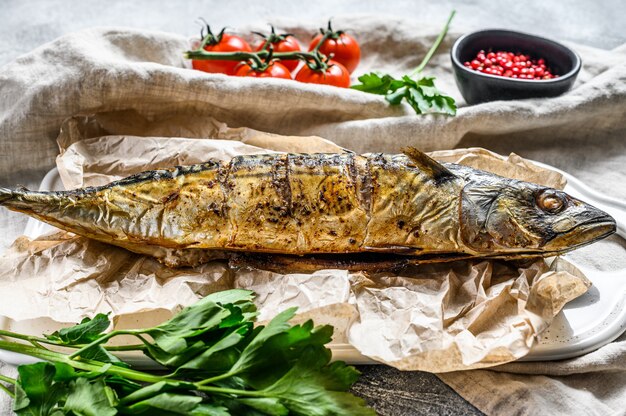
[(24, 25)]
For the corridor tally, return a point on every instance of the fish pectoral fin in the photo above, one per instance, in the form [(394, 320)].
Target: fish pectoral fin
[(428, 165)]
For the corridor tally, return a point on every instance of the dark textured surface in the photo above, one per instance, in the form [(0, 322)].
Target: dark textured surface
[(24, 25), (393, 393)]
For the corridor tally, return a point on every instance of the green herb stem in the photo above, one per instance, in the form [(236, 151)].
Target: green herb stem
[(433, 48), (216, 378), (416, 90), (133, 347), (103, 339), (7, 391), (38, 340), (31, 351), (86, 365), (7, 379), (29, 338), (90, 365), (225, 390)]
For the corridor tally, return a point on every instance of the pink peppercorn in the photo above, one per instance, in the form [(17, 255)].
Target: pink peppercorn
[(510, 65)]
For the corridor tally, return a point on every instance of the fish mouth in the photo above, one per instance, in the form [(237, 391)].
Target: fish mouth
[(578, 236), (582, 234)]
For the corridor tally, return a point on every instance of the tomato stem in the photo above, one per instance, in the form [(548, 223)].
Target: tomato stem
[(256, 57), (201, 54), (327, 34), (260, 60), (268, 40), (210, 38), (433, 48)]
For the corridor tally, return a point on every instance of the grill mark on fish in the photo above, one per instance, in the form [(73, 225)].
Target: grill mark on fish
[(280, 180), (222, 178), (287, 188), (352, 172), (365, 189), (171, 197)]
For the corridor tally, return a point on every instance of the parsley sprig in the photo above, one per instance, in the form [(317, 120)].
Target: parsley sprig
[(419, 92), (217, 362)]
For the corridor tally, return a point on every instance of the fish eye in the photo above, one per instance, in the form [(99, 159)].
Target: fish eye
[(550, 201)]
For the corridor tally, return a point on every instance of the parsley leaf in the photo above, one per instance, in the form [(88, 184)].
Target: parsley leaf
[(99, 353), (226, 365), (36, 392), (250, 355), (376, 83), (90, 398), (419, 92), (312, 387), (87, 331), (205, 315)]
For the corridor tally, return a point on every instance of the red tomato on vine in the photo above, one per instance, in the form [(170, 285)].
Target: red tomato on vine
[(223, 42), (343, 47), (285, 42), (334, 74), (273, 70)]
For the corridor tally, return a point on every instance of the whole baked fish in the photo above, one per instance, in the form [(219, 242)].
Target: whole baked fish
[(302, 212)]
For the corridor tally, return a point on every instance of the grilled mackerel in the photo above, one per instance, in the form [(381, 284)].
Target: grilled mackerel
[(303, 212)]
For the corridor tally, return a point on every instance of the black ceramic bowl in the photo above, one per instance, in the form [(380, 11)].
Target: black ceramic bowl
[(477, 87)]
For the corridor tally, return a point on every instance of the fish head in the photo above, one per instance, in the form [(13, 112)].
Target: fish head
[(504, 216)]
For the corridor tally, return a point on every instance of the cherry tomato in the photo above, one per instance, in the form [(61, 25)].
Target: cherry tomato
[(223, 43), (283, 43), (344, 48), (336, 74), (274, 70)]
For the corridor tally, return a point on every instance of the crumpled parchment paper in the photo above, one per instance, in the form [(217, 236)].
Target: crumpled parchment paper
[(438, 318)]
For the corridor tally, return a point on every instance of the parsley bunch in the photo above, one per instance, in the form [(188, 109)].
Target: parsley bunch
[(217, 362), (419, 92)]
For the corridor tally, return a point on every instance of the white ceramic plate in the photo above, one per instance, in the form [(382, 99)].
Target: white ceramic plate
[(585, 324)]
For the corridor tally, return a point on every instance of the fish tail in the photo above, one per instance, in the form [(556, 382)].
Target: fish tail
[(22, 198), (6, 195)]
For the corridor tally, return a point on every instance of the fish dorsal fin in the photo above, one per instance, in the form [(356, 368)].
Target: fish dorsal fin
[(428, 165)]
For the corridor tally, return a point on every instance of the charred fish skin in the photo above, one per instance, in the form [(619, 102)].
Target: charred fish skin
[(294, 203), (412, 211), (312, 204)]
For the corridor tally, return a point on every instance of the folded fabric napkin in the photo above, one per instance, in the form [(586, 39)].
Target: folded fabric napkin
[(143, 76)]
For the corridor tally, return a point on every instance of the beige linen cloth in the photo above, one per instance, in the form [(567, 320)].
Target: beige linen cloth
[(141, 78)]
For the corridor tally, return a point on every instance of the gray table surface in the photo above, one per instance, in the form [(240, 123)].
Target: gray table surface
[(24, 25)]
